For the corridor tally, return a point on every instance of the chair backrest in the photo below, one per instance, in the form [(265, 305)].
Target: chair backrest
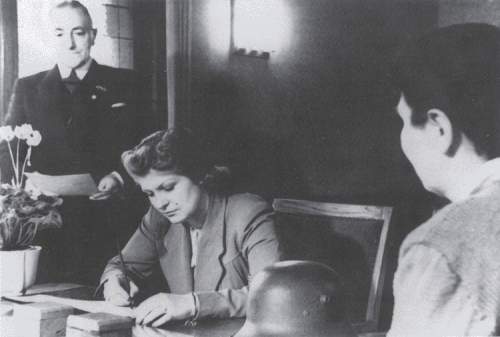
[(349, 238)]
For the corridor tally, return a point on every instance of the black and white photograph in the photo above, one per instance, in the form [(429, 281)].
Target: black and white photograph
[(249, 168)]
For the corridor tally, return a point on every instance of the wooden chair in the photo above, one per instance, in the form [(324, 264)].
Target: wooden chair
[(349, 238)]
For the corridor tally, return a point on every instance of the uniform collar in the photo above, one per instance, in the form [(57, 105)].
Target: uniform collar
[(487, 172), (81, 71)]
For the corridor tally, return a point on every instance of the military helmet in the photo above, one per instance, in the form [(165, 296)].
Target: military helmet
[(296, 299)]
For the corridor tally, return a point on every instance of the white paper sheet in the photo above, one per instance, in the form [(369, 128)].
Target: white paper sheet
[(50, 288), (88, 306), (63, 185)]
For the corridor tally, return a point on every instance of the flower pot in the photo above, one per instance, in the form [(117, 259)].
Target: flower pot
[(18, 269)]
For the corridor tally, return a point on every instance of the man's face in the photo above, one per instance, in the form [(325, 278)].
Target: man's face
[(418, 145), (73, 36)]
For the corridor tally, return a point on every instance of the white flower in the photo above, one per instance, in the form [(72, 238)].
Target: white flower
[(6, 133), (11, 213), (34, 138), (23, 131)]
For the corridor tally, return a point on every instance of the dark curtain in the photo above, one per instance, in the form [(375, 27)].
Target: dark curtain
[(149, 54), (8, 52)]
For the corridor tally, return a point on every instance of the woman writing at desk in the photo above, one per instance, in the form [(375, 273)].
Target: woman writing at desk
[(207, 242)]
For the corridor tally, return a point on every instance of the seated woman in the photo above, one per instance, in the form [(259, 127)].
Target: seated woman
[(207, 243)]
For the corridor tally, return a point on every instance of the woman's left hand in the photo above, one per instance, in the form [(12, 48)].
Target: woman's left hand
[(164, 307)]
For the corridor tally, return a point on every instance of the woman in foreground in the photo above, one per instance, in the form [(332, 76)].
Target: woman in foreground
[(207, 242)]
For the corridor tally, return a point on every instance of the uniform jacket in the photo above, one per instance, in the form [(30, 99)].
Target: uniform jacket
[(81, 132), (238, 239)]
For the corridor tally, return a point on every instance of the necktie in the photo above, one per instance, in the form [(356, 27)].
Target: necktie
[(72, 81)]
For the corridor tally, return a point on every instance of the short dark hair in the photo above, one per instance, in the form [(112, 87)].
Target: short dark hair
[(179, 151), (456, 69), (75, 5)]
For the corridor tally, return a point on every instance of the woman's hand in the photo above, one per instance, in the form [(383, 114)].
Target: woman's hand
[(119, 291), (163, 307)]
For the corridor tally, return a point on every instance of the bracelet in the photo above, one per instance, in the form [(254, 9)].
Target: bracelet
[(193, 321), (196, 306)]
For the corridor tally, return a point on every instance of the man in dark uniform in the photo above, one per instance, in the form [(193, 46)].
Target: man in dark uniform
[(87, 114)]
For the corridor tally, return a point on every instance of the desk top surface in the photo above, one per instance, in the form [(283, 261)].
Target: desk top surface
[(207, 328), (204, 328)]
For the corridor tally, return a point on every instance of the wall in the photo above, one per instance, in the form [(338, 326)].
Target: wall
[(315, 121)]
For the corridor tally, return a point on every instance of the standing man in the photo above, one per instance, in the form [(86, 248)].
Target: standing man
[(448, 278), (88, 114)]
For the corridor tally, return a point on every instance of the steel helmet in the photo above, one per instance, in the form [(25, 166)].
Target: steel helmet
[(296, 299)]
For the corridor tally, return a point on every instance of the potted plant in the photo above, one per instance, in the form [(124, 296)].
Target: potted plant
[(23, 212)]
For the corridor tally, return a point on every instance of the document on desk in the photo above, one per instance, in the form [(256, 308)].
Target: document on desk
[(63, 185), (50, 288), (83, 305)]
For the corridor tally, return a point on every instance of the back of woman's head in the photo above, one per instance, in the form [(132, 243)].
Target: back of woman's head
[(456, 69), (178, 151)]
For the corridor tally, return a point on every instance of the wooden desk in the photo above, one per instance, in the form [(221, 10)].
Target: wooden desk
[(373, 334), (204, 328), (207, 328)]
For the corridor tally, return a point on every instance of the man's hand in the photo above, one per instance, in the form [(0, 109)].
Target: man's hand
[(119, 291), (108, 186), (164, 307)]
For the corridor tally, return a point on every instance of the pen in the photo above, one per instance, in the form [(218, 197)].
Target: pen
[(125, 272)]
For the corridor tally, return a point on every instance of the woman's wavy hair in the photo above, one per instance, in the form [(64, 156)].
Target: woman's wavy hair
[(456, 69), (176, 150)]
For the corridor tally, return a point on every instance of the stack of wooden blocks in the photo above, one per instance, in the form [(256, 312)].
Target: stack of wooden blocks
[(6, 319), (44, 319), (99, 324), (47, 319)]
